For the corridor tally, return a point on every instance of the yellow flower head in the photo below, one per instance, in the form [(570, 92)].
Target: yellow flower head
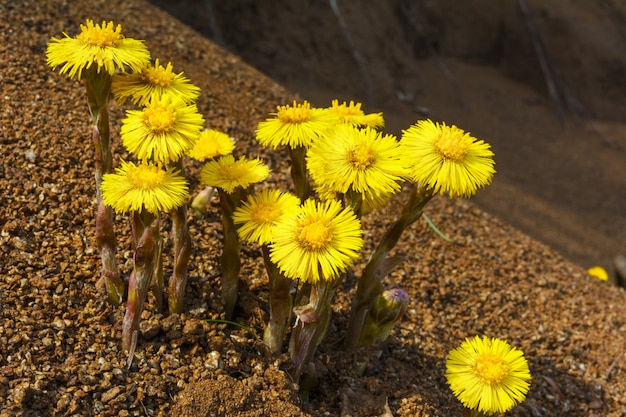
[(294, 126), (163, 131), (153, 81), (103, 45), (211, 144), (352, 114), (259, 215), (488, 375), (138, 187), (599, 273), (230, 174), (318, 243), (362, 160), (447, 159)]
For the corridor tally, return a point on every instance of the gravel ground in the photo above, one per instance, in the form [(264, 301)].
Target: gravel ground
[(60, 342)]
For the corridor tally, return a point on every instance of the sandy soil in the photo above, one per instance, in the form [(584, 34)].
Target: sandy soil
[(59, 341)]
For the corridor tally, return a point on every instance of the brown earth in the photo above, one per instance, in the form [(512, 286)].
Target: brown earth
[(59, 340)]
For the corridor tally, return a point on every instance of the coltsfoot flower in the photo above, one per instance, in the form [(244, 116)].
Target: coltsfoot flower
[(318, 243), (488, 375), (447, 159), (258, 216), (353, 115), (153, 81), (599, 273), (295, 126), (163, 131), (211, 144), (362, 160), (230, 174), (143, 187), (103, 45)]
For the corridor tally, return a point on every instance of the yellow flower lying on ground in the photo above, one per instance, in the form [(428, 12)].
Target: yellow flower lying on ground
[(488, 375), (138, 187), (318, 243), (599, 273), (153, 81), (163, 131), (103, 45), (362, 160), (211, 144), (294, 126), (230, 174), (259, 215), (353, 115), (447, 159)]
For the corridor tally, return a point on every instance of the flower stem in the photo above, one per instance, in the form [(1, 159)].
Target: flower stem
[(140, 278), (311, 325), (370, 284), (299, 173), (231, 262), (98, 86), (157, 281), (280, 304), (182, 253)]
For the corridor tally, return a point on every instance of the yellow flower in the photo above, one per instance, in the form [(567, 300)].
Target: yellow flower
[(599, 273), (294, 126), (103, 45), (259, 215), (153, 81), (228, 174), (447, 159), (362, 160), (138, 187), (211, 144), (318, 243), (488, 374), (163, 131), (352, 114)]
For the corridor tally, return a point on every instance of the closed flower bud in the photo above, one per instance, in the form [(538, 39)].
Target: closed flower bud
[(386, 310)]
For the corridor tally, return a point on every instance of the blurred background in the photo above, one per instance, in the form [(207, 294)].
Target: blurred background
[(543, 82)]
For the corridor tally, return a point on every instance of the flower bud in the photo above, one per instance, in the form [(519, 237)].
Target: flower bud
[(386, 310), (200, 201)]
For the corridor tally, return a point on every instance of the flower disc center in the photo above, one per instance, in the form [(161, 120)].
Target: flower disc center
[(158, 76), (160, 119), (298, 114), (145, 177), (361, 157), (232, 172), (315, 235), (452, 144), (102, 37), (490, 368), (265, 213)]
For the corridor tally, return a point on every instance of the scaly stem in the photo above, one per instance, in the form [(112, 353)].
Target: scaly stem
[(280, 304), (311, 325), (141, 277), (231, 262), (182, 253), (299, 174), (98, 86), (370, 284), (157, 281)]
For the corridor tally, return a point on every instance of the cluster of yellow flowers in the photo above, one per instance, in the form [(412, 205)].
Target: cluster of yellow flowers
[(311, 237)]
